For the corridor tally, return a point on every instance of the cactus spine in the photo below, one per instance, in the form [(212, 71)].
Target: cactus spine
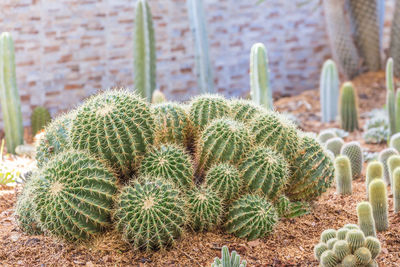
[(144, 56), (343, 175), (39, 119), (396, 190), (384, 156), (366, 219), (227, 260), (354, 152), (348, 107), (374, 170), (341, 233), (329, 91), (379, 203), (390, 97), (393, 162), (199, 29), (259, 76), (9, 96)]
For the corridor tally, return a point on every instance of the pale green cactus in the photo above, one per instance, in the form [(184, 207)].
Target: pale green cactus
[(329, 91), (259, 76), (384, 156), (348, 107), (334, 145), (354, 152), (374, 170), (365, 219), (343, 175), (393, 162), (390, 97), (379, 203), (396, 190), (395, 141), (227, 260)]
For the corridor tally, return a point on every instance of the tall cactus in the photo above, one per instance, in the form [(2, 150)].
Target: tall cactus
[(259, 76), (199, 30), (390, 97), (329, 91), (144, 51), (348, 107), (39, 119), (394, 51), (9, 97)]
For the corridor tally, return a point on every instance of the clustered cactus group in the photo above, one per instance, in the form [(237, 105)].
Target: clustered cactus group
[(154, 171)]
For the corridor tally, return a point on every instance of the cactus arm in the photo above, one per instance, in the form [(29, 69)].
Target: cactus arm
[(390, 102), (10, 100)]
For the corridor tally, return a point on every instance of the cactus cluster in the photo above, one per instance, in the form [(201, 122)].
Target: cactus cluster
[(346, 247)]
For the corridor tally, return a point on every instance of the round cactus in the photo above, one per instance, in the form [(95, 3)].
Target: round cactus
[(373, 245), (282, 206), (39, 119), (374, 170), (117, 126), (341, 233), (251, 217), (264, 170), (343, 175), (396, 190), (393, 162), (341, 249), (354, 152), (169, 162), (363, 256), (326, 135), (319, 249), (312, 171), (205, 209), (244, 110), (334, 145), (74, 195), (328, 234), (331, 242), (351, 226), (54, 139), (395, 141), (384, 155), (355, 238), (172, 124), (329, 259), (365, 219), (349, 261), (223, 140), (150, 215), (379, 203), (225, 180)]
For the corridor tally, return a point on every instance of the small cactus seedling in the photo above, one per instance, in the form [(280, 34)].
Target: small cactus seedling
[(348, 107), (341, 249), (329, 259), (326, 135), (384, 156), (227, 260), (225, 180), (395, 141), (319, 249), (373, 245), (379, 203), (334, 145), (354, 152), (343, 175), (366, 219), (329, 91), (251, 217), (355, 238), (39, 119), (244, 110), (396, 190), (374, 171), (328, 234), (393, 162), (363, 256), (158, 97)]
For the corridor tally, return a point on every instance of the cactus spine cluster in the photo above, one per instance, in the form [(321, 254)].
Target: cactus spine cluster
[(379, 203), (225, 180), (144, 56), (365, 219), (335, 145), (259, 76), (329, 91), (396, 190), (348, 107), (343, 175), (384, 156), (39, 119), (390, 97), (9, 96), (227, 260), (354, 152)]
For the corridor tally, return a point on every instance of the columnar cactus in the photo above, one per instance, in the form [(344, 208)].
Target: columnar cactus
[(117, 126), (354, 152), (204, 209), (394, 38), (341, 249), (158, 97), (326, 135), (379, 203), (227, 260), (393, 162), (397, 110), (395, 141), (261, 92), (74, 195), (244, 110), (384, 156), (396, 190), (373, 245), (39, 119), (9, 96), (390, 97), (251, 217), (343, 175), (355, 238), (169, 162), (334, 145), (198, 27), (225, 180), (366, 219), (144, 51), (348, 107), (264, 170), (374, 171), (329, 91), (150, 215)]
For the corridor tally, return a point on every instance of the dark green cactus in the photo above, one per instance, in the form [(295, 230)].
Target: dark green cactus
[(329, 259), (225, 180), (363, 256), (117, 126), (150, 215), (287, 209), (355, 238), (341, 249), (74, 195), (244, 110), (343, 175), (328, 234), (251, 217), (366, 219), (379, 203), (39, 119), (334, 145), (373, 245), (354, 152), (348, 107), (319, 249), (227, 260), (384, 156)]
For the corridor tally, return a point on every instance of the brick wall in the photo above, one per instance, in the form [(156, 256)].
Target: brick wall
[(67, 50)]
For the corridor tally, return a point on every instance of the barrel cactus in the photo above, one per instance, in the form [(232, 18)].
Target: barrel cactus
[(365, 219), (354, 152), (384, 156), (329, 259), (341, 233), (328, 234), (349, 261), (39, 119), (244, 110), (373, 245), (363, 256), (158, 97), (288, 209), (379, 203), (343, 175), (319, 249), (341, 249), (225, 180)]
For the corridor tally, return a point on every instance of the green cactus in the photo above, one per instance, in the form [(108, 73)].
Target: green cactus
[(373, 245), (374, 171), (264, 170), (343, 175), (261, 92), (341, 249), (331, 242), (379, 203), (319, 249), (198, 27), (169, 162), (150, 215), (328, 234), (144, 51), (227, 260), (172, 124), (117, 126), (312, 170), (55, 139), (329, 259), (354, 152), (205, 209), (363, 256), (224, 140), (244, 110), (348, 107), (390, 97), (366, 219), (74, 195), (396, 190), (225, 180), (287, 209), (397, 110), (326, 135), (355, 238), (341, 233), (395, 141), (39, 119), (349, 261), (329, 91), (9, 96), (335, 145), (384, 156), (251, 217), (158, 97), (351, 226), (393, 162)]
